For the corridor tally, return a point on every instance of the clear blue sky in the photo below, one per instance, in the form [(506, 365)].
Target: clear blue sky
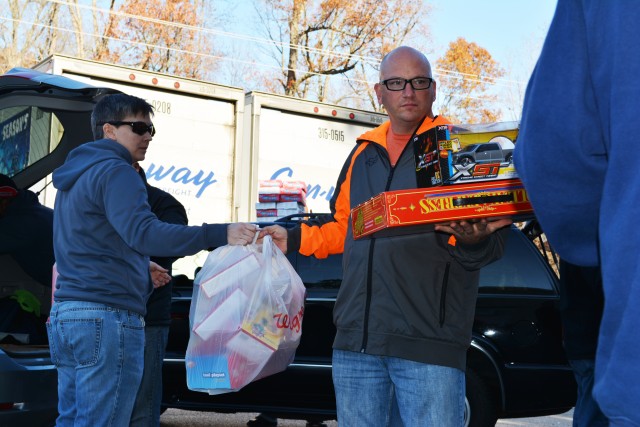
[(508, 29), (512, 31)]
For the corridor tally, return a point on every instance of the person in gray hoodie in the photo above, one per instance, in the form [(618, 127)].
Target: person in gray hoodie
[(104, 234)]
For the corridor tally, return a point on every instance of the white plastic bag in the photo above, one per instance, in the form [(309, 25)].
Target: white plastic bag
[(246, 317)]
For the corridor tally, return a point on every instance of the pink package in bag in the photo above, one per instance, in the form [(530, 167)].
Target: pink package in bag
[(246, 317)]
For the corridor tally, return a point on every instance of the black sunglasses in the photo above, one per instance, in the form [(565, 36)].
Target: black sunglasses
[(139, 128)]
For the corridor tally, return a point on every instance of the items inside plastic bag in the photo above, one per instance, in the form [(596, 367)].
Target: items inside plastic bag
[(246, 317)]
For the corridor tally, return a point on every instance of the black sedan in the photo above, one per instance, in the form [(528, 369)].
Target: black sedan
[(516, 366)]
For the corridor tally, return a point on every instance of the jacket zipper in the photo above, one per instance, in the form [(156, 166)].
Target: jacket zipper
[(367, 307), (443, 295)]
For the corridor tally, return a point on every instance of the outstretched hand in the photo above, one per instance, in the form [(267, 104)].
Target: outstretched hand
[(473, 231), (278, 235), (241, 233)]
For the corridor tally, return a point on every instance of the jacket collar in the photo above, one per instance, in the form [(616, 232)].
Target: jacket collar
[(379, 134)]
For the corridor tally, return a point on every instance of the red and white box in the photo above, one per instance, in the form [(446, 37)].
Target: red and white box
[(416, 210), (295, 185), (293, 195), (267, 213), (269, 194), (270, 183), (282, 191)]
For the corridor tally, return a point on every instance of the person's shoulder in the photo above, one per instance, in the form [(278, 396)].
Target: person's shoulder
[(376, 134), (158, 192), (115, 174), (32, 198), (27, 207), (442, 120), (158, 196)]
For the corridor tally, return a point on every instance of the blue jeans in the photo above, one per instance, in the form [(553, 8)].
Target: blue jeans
[(425, 395), (587, 413), (98, 351), (146, 410)]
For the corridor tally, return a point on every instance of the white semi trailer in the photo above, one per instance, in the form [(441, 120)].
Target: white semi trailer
[(214, 143)]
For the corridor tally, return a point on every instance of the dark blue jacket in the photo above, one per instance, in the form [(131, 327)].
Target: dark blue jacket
[(167, 209), (104, 230), (575, 155)]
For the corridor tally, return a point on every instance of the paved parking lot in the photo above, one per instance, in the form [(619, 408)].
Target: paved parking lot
[(178, 418), (560, 420)]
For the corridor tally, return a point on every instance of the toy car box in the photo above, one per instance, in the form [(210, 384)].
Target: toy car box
[(462, 172), (454, 154)]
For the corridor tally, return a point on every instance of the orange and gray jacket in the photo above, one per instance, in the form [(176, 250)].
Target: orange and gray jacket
[(410, 296)]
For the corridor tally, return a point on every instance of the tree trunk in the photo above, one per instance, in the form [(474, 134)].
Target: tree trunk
[(294, 37)]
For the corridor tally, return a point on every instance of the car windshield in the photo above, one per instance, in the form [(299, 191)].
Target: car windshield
[(521, 270)]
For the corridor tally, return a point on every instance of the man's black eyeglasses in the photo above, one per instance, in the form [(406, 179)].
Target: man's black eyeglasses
[(139, 128), (417, 83)]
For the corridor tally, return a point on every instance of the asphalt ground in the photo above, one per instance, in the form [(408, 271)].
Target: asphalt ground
[(179, 418)]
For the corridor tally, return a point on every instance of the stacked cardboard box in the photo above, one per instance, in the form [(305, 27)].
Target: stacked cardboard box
[(277, 199)]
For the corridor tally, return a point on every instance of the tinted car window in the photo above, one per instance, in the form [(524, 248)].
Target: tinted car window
[(521, 270), (27, 134), (320, 273)]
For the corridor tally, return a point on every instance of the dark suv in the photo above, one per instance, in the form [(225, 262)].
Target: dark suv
[(516, 365), (42, 117)]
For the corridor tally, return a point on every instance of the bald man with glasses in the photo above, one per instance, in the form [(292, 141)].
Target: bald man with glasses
[(405, 309)]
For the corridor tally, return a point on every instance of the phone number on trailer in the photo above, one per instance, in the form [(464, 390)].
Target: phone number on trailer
[(332, 134)]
